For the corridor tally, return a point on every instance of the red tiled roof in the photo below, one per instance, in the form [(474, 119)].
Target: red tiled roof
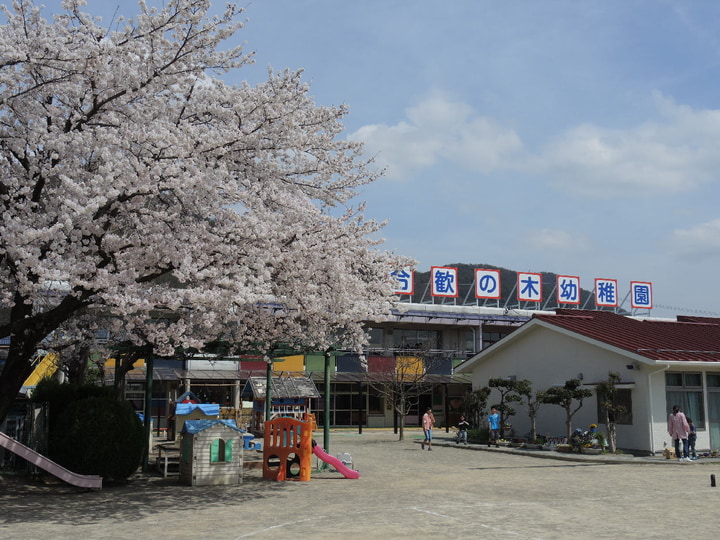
[(689, 338)]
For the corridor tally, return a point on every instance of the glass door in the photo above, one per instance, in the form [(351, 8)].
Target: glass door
[(713, 386)]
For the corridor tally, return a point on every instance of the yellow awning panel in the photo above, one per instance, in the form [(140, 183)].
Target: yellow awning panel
[(44, 368), (295, 362), (110, 362)]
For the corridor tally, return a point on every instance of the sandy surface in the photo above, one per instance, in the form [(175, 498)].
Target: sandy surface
[(403, 492)]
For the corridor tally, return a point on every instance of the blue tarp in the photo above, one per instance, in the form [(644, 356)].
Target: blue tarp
[(210, 409), (196, 426)]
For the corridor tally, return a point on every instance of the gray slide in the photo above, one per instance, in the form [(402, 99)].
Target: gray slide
[(30, 455)]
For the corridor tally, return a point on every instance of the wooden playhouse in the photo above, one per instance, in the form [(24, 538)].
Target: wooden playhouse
[(187, 407), (290, 397), (211, 453)]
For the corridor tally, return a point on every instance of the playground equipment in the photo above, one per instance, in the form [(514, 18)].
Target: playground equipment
[(335, 462), (44, 367), (211, 453), (30, 455), (287, 450)]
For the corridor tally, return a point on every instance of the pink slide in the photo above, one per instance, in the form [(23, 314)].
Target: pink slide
[(335, 462), (79, 480)]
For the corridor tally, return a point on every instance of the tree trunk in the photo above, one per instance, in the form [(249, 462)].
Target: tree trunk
[(77, 367), (533, 429), (400, 411), (18, 366), (611, 435), (122, 366), (26, 332), (13, 376)]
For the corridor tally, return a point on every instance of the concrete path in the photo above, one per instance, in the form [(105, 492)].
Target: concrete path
[(403, 492)]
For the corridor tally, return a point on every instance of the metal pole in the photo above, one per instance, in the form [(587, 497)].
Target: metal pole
[(360, 407), (268, 389), (326, 423), (148, 411), (447, 409)]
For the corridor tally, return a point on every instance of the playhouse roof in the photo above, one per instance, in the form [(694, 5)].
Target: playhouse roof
[(188, 396), (196, 426), (282, 387), (209, 409)]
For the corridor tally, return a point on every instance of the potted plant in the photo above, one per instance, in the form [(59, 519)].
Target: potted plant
[(590, 449), (599, 440)]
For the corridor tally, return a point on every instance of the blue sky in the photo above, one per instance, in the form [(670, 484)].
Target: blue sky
[(568, 136)]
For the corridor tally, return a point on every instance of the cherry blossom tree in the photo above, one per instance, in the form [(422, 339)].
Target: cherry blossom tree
[(133, 179)]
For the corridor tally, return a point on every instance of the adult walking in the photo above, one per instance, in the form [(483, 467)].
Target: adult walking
[(678, 428), (428, 422)]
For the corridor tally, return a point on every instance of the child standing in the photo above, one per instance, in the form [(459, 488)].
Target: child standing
[(428, 422), (494, 427), (462, 426), (692, 438)]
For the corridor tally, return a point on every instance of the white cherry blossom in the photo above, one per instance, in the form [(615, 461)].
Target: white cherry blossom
[(139, 181)]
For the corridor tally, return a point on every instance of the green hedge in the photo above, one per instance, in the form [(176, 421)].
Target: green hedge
[(99, 436), (90, 432)]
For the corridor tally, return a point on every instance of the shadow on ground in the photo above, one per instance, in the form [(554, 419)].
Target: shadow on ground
[(47, 500)]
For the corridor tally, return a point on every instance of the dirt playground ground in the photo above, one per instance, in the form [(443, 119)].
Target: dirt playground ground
[(403, 492)]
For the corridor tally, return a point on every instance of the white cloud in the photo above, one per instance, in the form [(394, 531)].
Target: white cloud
[(554, 240), (675, 153), (672, 155), (701, 241), (439, 131)]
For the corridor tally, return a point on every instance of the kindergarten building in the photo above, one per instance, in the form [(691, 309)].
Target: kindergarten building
[(426, 337), (434, 338), (661, 363)]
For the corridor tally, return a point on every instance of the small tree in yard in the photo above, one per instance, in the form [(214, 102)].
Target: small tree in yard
[(611, 409), (532, 402), (566, 396), (474, 404), (509, 394), (401, 381)]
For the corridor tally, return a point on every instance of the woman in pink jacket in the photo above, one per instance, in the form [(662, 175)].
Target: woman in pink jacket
[(678, 428)]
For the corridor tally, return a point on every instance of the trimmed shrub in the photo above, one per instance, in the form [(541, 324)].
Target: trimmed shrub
[(99, 436), (479, 435), (59, 395)]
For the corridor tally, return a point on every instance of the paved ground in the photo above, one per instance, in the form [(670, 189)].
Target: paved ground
[(403, 492)]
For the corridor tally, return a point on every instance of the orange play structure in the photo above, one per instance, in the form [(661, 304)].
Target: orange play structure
[(287, 450)]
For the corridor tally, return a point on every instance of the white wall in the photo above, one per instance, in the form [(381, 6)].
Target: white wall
[(211, 364), (548, 358)]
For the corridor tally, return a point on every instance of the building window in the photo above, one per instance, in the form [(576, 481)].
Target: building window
[(623, 398), (470, 342), (376, 338), (416, 340), (220, 451), (494, 333), (686, 391), (713, 381), (376, 404)]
